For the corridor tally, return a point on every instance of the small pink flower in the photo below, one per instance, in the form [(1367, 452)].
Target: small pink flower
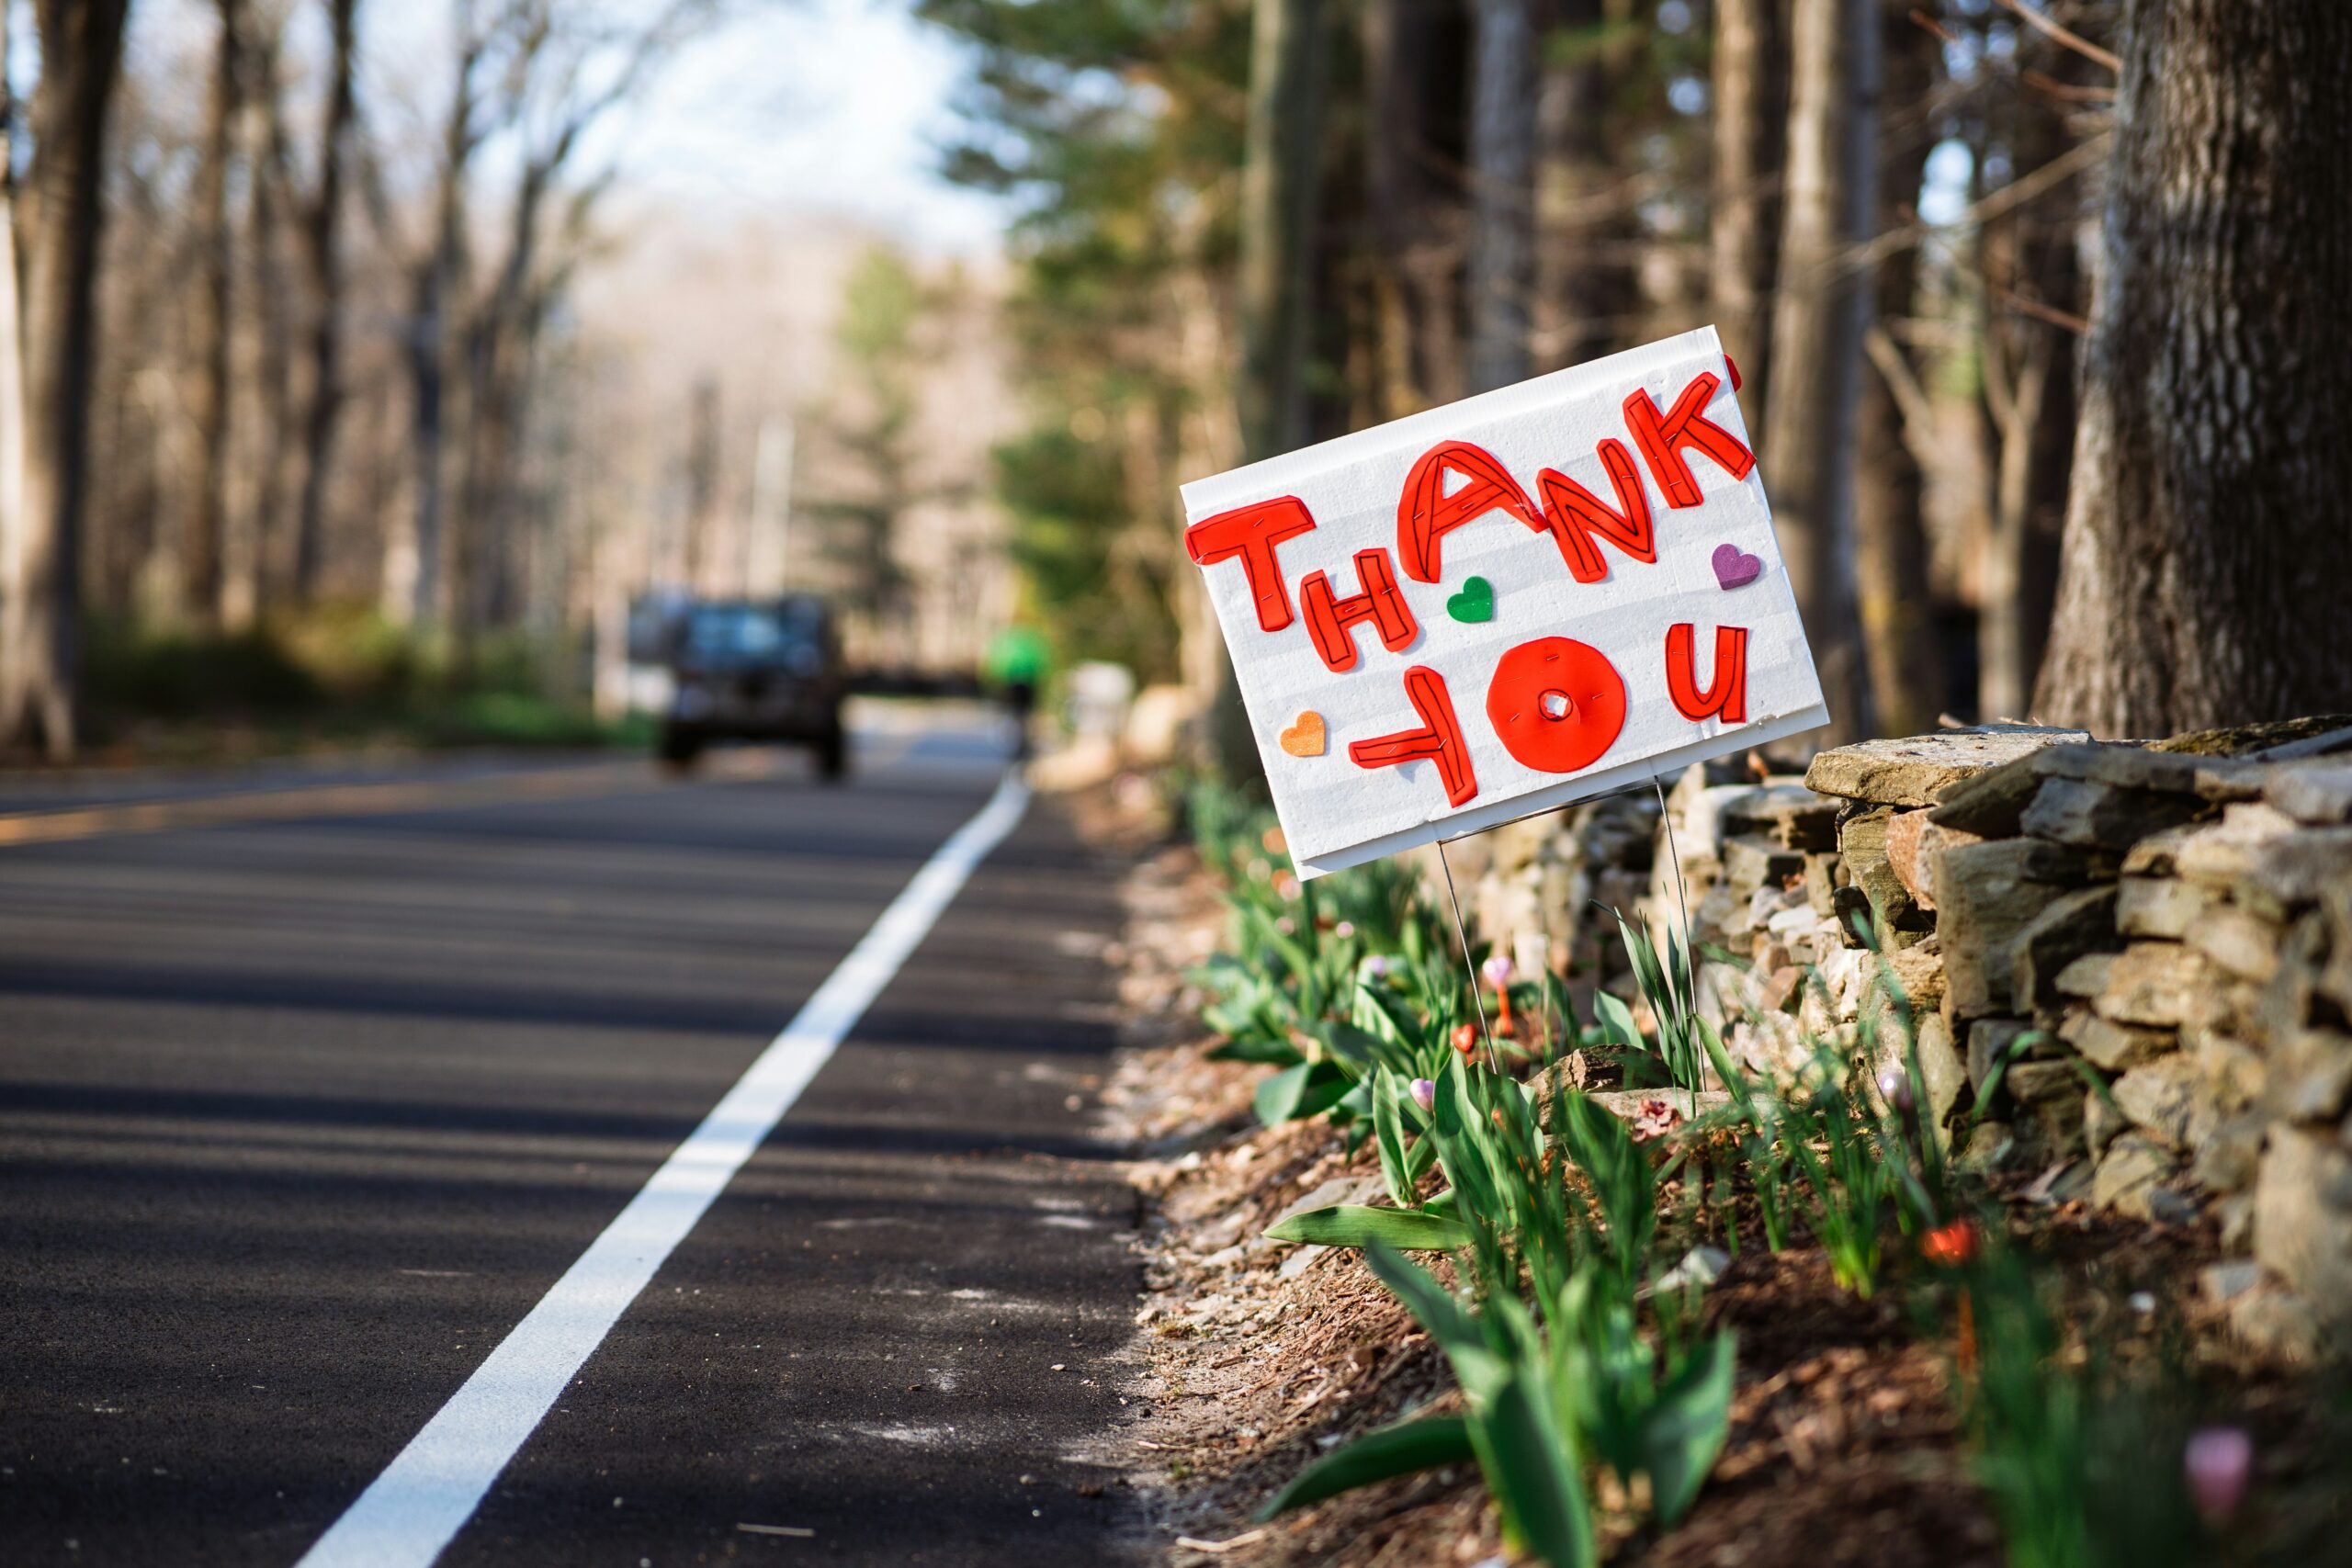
[(1496, 970), (1376, 966), (2219, 1463), (1424, 1094), (1344, 930)]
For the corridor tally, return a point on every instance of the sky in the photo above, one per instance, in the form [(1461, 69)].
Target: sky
[(783, 107), (833, 104)]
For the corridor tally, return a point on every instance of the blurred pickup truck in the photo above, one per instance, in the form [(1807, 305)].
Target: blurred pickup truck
[(757, 670)]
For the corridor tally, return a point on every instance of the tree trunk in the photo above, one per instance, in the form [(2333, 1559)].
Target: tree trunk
[(1277, 217), (2033, 289), (12, 380), (2205, 538), (1891, 555), (433, 290), (1278, 189), (1751, 109), (1502, 191), (250, 553), (81, 45), (1817, 334), (209, 399), (1584, 289), (1414, 66), (322, 230)]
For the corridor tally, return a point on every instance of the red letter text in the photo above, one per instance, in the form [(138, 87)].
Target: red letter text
[(1253, 532), (1425, 513), (1576, 514), (1439, 737), (1726, 696), (1662, 439), (1330, 619)]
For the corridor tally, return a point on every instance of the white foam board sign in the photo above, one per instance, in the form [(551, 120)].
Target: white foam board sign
[(1532, 597)]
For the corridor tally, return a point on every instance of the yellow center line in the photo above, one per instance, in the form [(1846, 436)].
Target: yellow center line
[(56, 826)]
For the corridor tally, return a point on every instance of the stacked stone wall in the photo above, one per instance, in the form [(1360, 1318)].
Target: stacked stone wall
[(2128, 967)]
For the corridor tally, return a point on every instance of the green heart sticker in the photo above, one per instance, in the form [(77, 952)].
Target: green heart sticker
[(1474, 603)]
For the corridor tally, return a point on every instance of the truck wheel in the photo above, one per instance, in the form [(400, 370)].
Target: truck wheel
[(832, 754)]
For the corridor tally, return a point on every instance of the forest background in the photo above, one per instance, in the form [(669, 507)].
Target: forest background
[(354, 373)]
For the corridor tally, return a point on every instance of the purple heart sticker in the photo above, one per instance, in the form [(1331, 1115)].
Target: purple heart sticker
[(1735, 568)]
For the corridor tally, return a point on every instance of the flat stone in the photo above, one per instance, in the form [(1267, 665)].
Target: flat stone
[(2049, 1097), (1941, 1071), (2156, 983), (1987, 893), (2161, 1097), (2310, 1075), (1862, 842), (2102, 1122), (2103, 815), (1705, 814), (2068, 927), (2242, 942), (1781, 988), (2302, 1218), (2289, 872), (2271, 738), (1917, 770), (1753, 860), (1919, 970), (2229, 1157), (2236, 1075), (1990, 805), (2111, 1047), (2086, 976), (1632, 1104), (2215, 853), (1795, 816), (1990, 1146), (2158, 905), (2311, 792), (2129, 1172), (2043, 1083), (1823, 874), (1989, 1041), (2153, 768), (1901, 846)]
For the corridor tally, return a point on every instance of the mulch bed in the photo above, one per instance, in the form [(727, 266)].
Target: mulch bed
[(1845, 1446)]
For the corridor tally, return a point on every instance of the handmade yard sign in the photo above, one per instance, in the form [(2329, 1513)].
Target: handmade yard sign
[(1527, 598)]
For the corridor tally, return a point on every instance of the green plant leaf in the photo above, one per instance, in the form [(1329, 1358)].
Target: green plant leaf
[(1530, 1457), (1351, 1044), (1684, 1431), (1432, 1306), (1617, 1023), (1388, 1127), (1351, 1109), (1274, 1052), (1355, 1224), (1307, 1089), (1422, 1443)]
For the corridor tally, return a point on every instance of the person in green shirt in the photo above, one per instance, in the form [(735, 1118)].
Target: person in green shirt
[(1016, 666)]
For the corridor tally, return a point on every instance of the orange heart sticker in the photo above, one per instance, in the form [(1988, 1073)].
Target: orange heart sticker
[(1304, 738)]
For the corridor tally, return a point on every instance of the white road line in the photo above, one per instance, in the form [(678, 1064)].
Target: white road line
[(432, 1488)]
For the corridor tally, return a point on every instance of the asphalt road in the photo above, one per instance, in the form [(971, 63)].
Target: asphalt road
[(302, 1109)]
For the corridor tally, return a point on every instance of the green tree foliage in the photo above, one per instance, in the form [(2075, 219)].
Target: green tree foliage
[(878, 331), (1117, 126)]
